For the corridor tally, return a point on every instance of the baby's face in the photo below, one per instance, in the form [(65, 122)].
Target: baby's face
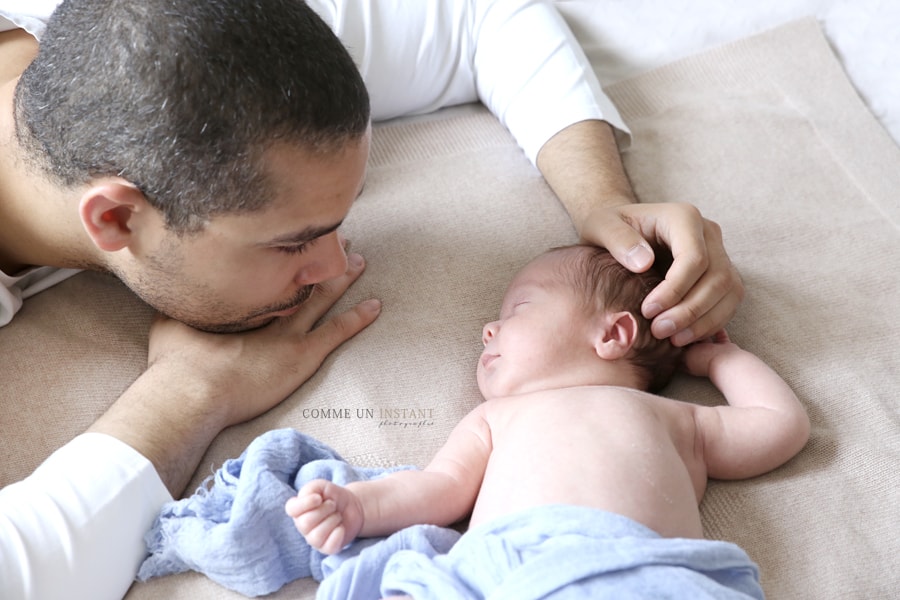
[(541, 339)]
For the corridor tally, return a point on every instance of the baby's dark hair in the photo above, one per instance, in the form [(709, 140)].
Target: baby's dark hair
[(608, 286)]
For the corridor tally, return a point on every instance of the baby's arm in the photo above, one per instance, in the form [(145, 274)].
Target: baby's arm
[(330, 516), (764, 424)]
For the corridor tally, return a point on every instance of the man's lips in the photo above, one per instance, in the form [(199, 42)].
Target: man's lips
[(287, 312), (299, 301)]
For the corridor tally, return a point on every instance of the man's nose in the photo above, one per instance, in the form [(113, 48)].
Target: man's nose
[(327, 260)]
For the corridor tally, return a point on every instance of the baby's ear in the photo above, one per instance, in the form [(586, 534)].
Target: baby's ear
[(615, 335)]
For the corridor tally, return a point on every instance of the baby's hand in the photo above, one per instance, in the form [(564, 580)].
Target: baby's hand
[(698, 356), (329, 516)]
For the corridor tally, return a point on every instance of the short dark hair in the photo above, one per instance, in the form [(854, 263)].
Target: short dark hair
[(606, 285), (182, 98)]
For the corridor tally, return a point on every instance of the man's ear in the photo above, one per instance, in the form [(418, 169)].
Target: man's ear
[(615, 335), (107, 210)]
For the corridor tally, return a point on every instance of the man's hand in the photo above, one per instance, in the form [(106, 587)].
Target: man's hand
[(329, 516), (248, 373), (199, 383), (702, 289)]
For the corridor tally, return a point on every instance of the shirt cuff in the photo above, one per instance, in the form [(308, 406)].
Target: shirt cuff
[(75, 527)]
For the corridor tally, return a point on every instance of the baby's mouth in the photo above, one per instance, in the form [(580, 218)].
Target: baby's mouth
[(488, 359)]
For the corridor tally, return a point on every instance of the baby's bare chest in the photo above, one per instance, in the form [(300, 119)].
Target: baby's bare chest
[(610, 450), (606, 432)]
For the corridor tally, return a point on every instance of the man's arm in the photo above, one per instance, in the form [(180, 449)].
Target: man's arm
[(549, 98), (76, 526), (551, 101), (582, 165)]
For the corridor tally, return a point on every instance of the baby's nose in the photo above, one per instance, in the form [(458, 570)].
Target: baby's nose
[(489, 331)]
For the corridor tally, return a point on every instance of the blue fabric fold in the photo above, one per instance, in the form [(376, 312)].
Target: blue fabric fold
[(234, 530), (356, 572), (553, 552)]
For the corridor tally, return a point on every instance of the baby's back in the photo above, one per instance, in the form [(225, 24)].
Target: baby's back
[(610, 448)]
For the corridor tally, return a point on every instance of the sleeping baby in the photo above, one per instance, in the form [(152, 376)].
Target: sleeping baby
[(574, 475)]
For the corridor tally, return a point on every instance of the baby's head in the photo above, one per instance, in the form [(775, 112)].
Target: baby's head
[(607, 286), (572, 316)]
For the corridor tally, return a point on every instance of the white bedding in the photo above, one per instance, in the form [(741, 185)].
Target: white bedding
[(626, 37)]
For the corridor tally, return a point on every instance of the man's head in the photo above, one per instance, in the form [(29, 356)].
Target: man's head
[(566, 317), (198, 110)]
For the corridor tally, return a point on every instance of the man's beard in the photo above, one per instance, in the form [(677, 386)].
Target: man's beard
[(253, 320)]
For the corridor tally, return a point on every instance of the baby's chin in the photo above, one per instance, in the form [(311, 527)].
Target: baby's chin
[(488, 391), (493, 392)]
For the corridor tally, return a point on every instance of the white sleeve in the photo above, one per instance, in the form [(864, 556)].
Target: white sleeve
[(30, 15), (75, 527), (518, 57), (531, 72)]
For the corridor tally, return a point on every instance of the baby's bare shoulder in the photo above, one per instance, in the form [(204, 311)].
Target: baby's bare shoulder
[(579, 401)]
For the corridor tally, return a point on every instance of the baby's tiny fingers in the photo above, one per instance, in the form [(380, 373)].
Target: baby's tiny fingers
[(321, 536), (335, 541), (309, 520), (298, 505)]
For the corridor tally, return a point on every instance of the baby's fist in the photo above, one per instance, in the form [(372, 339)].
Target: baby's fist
[(699, 355), (318, 511)]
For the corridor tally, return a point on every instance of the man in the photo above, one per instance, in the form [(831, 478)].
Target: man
[(206, 153)]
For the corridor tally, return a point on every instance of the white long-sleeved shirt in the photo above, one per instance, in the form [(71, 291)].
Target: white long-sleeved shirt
[(74, 528), (518, 57)]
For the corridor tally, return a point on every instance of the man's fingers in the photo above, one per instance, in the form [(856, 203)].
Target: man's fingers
[(708, 302), (680, 281), (623, 241), (683, 231), (325, 294), (340, 328), (693, 326)]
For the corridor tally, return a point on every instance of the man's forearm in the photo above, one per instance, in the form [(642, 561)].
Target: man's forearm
[(582, 165), (153, 417)]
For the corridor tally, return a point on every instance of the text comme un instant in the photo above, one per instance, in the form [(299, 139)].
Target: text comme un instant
[(369, 413)]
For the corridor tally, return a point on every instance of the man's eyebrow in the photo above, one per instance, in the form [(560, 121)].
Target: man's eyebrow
[(304, 236)]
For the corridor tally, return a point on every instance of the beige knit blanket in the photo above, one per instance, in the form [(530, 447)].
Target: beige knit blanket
[(765, 135)]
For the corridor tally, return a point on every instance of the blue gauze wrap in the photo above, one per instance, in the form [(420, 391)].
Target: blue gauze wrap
[(235, 531), (556, 552)]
